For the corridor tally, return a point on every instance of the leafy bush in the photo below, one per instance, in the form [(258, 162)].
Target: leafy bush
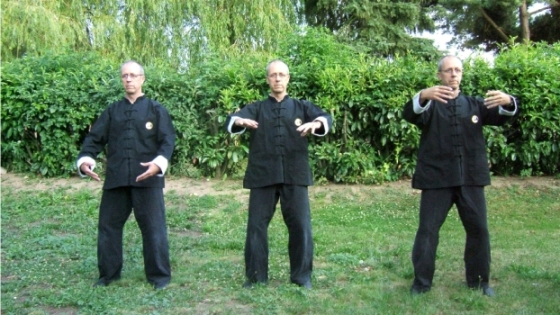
[(50, 102), (48, 105), (531, 73)]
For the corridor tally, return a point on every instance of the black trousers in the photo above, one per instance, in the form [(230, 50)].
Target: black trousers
[(434, 207), (149, 211), (294, 202)]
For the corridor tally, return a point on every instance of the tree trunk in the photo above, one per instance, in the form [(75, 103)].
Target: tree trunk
[(524, 20)]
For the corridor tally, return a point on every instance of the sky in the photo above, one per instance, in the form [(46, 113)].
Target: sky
[(442, 40)]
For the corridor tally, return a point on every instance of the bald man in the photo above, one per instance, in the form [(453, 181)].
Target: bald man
[(278, 169), (140, 139), (452, 169)]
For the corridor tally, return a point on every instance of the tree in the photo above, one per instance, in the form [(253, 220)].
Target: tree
[(385, 27), (29, 26), (176, 32), (490, 24), (546, 27)]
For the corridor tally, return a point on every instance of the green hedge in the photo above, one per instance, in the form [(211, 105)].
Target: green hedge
[(49, 103)]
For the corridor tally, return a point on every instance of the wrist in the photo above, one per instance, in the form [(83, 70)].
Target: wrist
[(510, 103), (421, 99)]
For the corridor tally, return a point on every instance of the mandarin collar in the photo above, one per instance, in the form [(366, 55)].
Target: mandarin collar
[(274, 100), (139, 98)]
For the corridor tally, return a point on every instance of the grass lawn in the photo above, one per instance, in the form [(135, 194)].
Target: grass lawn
[(362, 262)]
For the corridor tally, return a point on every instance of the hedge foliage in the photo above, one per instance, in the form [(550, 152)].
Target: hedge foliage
[(49, 104)]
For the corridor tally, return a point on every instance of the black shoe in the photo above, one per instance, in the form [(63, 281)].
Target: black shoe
[(101, 283), (488, 291), (417, 291), (160, 286), (250, 284), (307, 285)]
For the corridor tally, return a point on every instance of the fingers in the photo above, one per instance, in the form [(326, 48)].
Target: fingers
[(147, 174), (143, 176), (302, 129), (152, 170), (496, 98), (307, 128), (93, 175), (86, 169), (247, 123), (438, 93)]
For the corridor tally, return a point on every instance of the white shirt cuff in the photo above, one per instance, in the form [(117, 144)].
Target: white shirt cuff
[(231, 122), (418, 109), (323, 120), (506, 112), (162, 163), (81, 161)]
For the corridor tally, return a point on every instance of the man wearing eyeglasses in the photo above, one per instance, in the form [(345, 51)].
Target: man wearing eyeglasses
[(140, 139), (278, 169), (452, 168)]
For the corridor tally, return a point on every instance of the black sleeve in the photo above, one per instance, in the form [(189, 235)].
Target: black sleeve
[(166, 133), (98, 136)]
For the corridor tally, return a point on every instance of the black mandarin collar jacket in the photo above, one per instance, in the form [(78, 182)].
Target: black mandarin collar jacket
[(278, 154), (133, 133), (452, 149)]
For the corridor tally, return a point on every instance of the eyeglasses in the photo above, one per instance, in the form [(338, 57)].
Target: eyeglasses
[(279, 75), (450, 70), (131, 75)]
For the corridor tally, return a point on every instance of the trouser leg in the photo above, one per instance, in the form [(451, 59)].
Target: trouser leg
[(262, 204), (471, 204), (294, 202), (149, 211), (114, 210), (434, 207)]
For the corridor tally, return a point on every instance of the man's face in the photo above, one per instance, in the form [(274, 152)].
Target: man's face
[(132, 78), (278, 77), (451, 72)]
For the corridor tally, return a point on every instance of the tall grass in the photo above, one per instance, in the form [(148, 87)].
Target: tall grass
[(363, 240)]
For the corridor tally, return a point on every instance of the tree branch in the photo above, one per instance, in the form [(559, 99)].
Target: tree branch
[(544, 9), (498, 29)]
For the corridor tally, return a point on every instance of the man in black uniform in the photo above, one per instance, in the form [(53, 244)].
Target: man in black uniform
[(279, 168), (140, 138), (452, 168)]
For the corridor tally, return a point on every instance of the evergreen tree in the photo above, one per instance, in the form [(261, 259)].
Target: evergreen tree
[(490, 24), (384, 27)]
